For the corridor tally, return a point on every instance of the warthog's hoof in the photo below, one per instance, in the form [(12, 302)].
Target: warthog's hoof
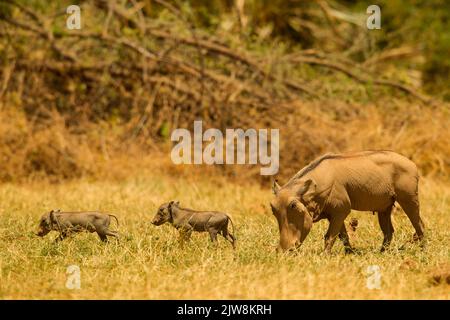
[(350, 251)]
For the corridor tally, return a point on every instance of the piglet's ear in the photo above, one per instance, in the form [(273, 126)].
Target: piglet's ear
[(174, 203), (52, 216)]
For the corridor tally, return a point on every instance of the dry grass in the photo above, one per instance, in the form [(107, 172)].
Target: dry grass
[(148, 262), (57, 150), (100, 129)]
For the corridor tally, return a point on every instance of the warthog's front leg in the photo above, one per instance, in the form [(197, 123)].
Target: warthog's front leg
[(335, 227), (185, 234), (227, 235), (343, 236), (62, 236)]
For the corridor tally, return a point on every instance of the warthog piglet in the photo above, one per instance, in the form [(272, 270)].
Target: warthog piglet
[(72, 222), (188, 220)]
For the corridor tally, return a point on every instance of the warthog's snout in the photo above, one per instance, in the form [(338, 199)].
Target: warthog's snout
[(41, 233), (159, 218), (292, 248), (157, 222)]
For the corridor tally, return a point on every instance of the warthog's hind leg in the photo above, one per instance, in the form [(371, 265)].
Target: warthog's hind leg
[(385, 221), (114, 234), (103, 237), (61, 236), (410, 204), (102, 233), (213, 234), (228, 236)]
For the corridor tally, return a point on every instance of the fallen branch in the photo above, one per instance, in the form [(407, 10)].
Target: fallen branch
[(364, 80), (212, 47)]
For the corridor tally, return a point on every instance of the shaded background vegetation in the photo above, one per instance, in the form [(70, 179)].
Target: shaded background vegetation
[(102, 101)]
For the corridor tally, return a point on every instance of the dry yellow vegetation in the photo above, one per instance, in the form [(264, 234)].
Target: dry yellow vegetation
[(86, 118), (148, 262)]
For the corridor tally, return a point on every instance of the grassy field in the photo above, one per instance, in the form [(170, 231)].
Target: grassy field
[(148, 263)]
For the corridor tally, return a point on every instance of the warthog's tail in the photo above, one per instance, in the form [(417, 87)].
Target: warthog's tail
[(232, 226), (117, 221)]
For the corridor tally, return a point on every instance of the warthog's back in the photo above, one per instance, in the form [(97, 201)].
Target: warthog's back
[(370, 179), (359, 161), (201, 220), (84, 218), (372, 163)]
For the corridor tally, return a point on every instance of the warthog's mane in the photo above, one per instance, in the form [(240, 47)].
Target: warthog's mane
[(187, 209), (329, 156)]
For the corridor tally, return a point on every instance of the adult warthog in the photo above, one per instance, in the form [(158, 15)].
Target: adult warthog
[(332, 185)]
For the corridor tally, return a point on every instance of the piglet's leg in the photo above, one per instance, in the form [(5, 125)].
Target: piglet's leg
[(102, 236), (213, 234), (114, 234), (102, 232), (185, 234), (61, 236)]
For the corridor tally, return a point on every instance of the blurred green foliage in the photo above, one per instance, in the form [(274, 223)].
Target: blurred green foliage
[(295, 24), (424, 24)]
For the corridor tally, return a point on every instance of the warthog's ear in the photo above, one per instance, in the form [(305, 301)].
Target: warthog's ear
[(308, 190), (174, 203), (52, 216), (51, 219), (275, 187), (305, 219), (47, 219), (54, 220)]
